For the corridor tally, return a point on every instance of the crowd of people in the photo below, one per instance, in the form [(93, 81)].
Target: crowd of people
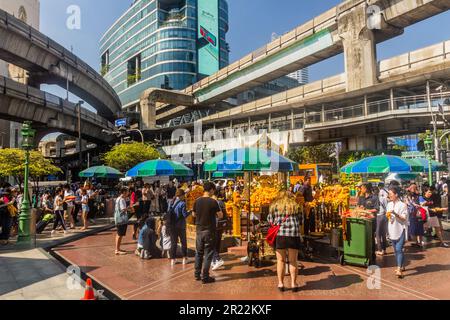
[(160, 223), (401, 214), (69, 207)]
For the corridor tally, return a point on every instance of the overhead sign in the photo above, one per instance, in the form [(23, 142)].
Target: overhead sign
[(121, 122), (208, 36)]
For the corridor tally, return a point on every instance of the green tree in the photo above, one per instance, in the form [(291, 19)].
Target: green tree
[(313, 154), (12, 164), (125, 156)]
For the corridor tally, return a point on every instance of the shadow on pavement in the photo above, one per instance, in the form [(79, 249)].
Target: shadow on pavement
[(333, 282), (314, 270), (17, 273), (247, 275), (428, 269)]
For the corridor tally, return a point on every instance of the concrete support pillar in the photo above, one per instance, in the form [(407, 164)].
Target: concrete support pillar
[(292, 120), (148, 113), (322, 115), (366, 107), (392, 99), (361, 142), (359, 47), (270, 122)]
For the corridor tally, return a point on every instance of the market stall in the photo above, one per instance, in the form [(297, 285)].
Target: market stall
[(250, 161)]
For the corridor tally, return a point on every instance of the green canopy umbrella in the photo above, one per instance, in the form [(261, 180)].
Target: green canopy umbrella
[(101, 172), (424, 165), (160, 167), (347, 168), (249, 159), (381, 164)]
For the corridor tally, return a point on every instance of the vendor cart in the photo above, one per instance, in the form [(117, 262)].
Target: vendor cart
[(358, 242)]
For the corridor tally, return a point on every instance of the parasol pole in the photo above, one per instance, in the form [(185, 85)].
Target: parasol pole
[(249, 204)]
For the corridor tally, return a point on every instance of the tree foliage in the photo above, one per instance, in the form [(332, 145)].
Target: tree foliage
[(12, 164), (125, 156), (313, 154)]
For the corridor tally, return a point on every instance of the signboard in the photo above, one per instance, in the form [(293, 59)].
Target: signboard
[(208, 37), (414, 154), (121, 122)]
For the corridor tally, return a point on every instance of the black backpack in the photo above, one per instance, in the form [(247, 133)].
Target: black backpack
[(171, 217)]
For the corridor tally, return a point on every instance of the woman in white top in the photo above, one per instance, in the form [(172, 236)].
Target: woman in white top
[(397, 214), (59, 211), (121, 219)]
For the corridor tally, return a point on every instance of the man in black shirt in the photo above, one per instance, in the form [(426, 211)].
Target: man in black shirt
[(307, 191), (171, 190), (206, 211)]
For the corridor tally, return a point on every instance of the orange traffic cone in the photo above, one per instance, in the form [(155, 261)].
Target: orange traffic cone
[(89, 291)]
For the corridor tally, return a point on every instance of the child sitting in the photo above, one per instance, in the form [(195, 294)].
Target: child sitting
[(146, 248)]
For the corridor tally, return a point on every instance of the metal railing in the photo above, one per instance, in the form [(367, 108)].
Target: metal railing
[(382, 106)]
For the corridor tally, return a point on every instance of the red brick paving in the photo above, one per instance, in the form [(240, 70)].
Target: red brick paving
[(129, 277)]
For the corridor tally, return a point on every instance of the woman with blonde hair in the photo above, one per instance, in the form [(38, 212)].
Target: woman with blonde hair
[(284, 213)]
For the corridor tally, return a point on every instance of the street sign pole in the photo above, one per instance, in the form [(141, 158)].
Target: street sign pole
[(429, 151)]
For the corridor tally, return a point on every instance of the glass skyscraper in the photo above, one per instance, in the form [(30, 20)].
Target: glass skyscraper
[(167, 44)]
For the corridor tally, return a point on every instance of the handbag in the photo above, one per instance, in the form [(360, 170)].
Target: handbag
[(119, 217), (273, 232), (421, 214)]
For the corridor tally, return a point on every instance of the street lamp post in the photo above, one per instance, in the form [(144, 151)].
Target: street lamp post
[(25, 215), (428, 142)]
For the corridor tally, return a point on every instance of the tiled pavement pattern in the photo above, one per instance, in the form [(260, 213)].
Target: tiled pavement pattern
[(129, 277)]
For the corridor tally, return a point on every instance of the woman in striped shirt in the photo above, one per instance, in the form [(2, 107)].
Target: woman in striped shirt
[(288, 240)]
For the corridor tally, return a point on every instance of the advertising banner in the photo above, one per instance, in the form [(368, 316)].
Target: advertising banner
[(208, 36)]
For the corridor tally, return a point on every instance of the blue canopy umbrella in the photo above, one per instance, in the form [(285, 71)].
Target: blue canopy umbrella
[(250, 159), (379, 164), (153, 168)]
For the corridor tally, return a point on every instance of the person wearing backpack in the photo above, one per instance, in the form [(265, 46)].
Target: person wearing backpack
[(176, 224)]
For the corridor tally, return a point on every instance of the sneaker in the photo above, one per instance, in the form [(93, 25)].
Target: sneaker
[(137, 252), (208, 280), (185, 261), (217, 265), (173, 262), (445, 244), (121, 253)]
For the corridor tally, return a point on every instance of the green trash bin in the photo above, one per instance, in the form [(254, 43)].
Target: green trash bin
[(358, 247)]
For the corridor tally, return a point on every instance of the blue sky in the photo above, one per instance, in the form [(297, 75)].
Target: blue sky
[(251, 25)]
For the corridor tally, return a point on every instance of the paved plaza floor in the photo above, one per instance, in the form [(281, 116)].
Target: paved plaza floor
[(31, 273), (128, 277)]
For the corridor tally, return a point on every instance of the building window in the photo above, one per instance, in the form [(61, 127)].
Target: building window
[(134, 70), (16, 138), (105, 63)]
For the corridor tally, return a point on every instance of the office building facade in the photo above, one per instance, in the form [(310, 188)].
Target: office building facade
[(302, 76), (167, 44)]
